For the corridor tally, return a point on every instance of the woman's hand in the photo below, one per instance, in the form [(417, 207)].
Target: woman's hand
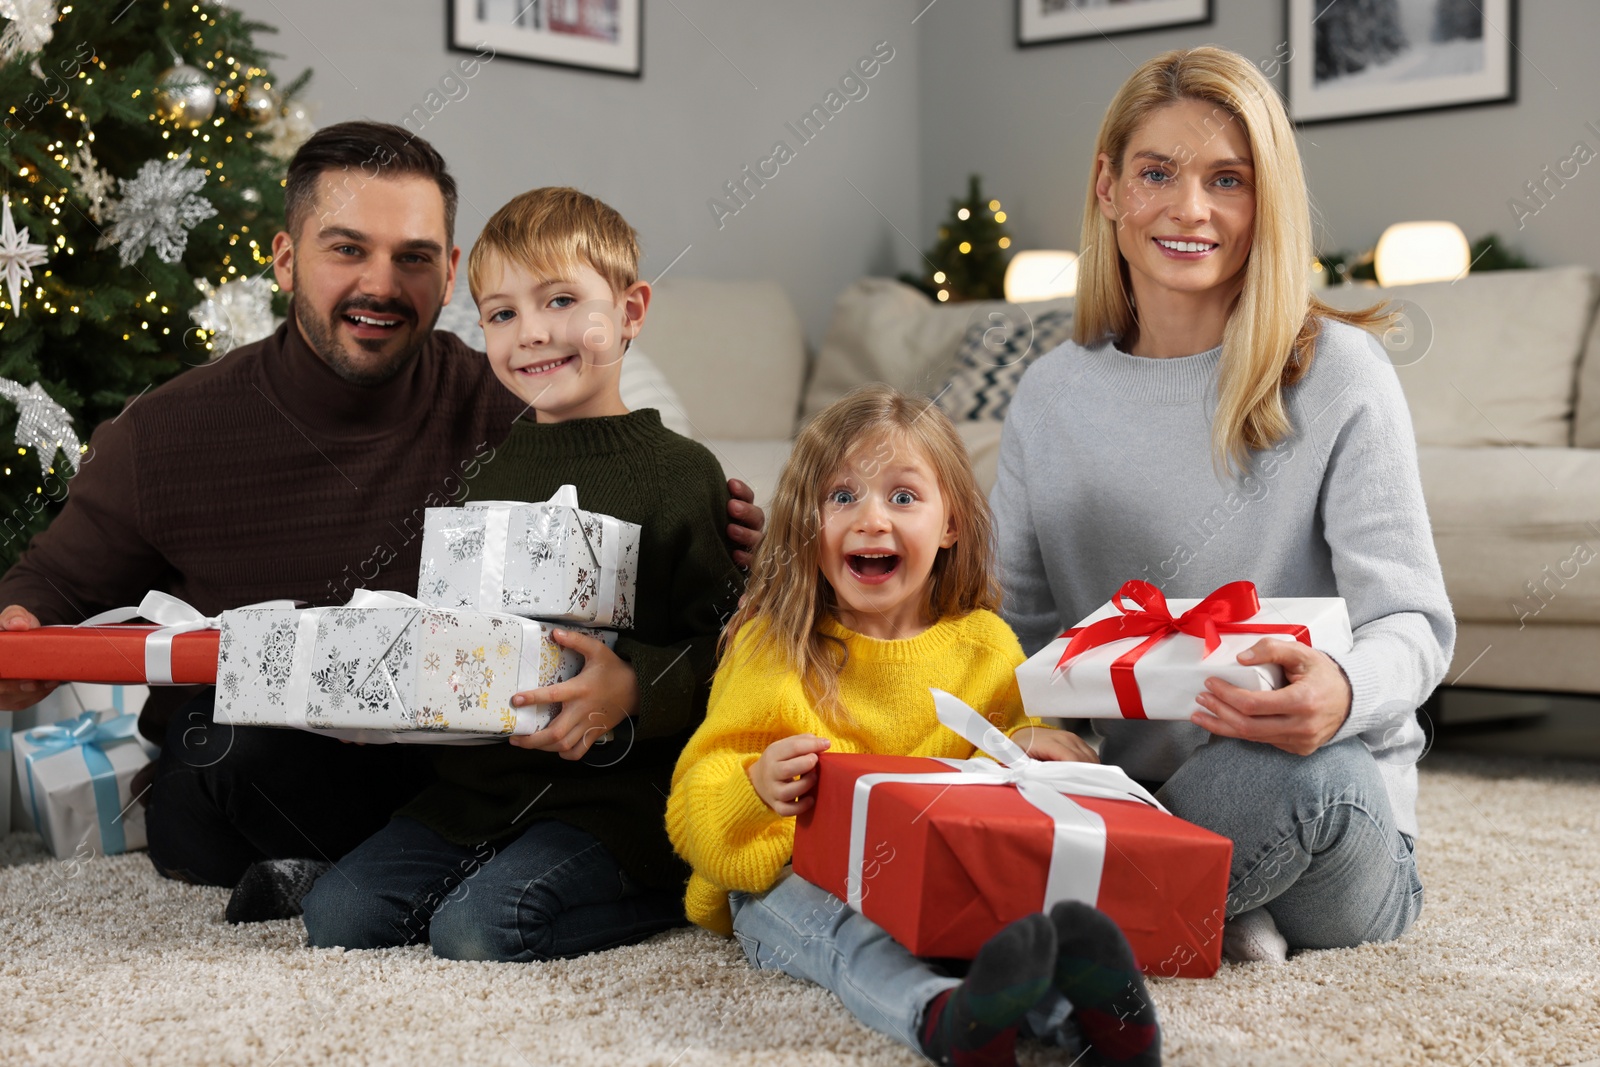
[(593, 701), (1299, 718), (1041, 742), (786, 772)]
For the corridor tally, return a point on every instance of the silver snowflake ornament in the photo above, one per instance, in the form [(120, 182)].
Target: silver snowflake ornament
[(93, 184), (234, 313), (42, 424), (18, 256), (32, 24), (157, 210)]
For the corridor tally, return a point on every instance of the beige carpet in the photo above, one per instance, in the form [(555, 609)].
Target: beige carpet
[(106, 963)]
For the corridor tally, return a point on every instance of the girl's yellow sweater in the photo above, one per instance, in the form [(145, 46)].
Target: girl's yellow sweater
[(714, 817)]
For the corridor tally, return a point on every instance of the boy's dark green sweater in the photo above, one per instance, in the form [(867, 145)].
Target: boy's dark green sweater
[(633, 468)]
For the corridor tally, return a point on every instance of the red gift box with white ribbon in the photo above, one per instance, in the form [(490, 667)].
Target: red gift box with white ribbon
[(945, 853), (178, 646)]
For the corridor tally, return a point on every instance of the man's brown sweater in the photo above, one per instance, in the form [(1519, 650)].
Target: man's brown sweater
[(264, 475)]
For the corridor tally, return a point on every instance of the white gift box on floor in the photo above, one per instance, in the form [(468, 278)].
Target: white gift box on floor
[(388, 668), (75, 779), (549, 561), (1157, 672)]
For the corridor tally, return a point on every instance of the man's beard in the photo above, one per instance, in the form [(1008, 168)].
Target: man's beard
[(323, 337)]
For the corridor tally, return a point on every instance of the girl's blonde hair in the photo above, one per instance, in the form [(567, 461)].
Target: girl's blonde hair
[(1268, 341), (786, 591)]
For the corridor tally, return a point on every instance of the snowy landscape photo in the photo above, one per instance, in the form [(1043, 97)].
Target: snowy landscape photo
[(1353, 58), (1043, 21)]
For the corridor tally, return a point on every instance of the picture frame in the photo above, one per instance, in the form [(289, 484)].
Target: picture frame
[(604, 36), (1058, 21), (1353, 61)]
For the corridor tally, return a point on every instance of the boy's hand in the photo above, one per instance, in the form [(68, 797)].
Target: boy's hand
[(1062, 746), (786, 772), (16, 695), (593, 701)]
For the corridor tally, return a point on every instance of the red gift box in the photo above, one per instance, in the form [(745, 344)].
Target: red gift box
[(105, 655), (944, 865)]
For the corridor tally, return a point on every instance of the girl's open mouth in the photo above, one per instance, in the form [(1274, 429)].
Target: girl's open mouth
[(872, 567)]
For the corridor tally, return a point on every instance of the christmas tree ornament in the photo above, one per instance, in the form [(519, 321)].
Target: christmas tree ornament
[(158, 208), (93, 184), (18, 256), (234, 313), (32, 24), (250, 196), (256, 104), (185, 96), (42, 424), (287, 131)]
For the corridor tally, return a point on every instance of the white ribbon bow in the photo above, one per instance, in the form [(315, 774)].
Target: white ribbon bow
[(497, 537), (175, 617), (1078, 855)]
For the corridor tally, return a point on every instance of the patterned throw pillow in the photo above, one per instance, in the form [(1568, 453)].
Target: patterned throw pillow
[(995, 351)]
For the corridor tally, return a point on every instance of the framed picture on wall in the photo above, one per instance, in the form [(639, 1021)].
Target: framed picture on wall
[(600, 35), (1049, 21), (1356, 58)]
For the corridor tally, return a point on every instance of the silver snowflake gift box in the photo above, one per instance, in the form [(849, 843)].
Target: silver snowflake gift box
[(550, 560), (388, 668)]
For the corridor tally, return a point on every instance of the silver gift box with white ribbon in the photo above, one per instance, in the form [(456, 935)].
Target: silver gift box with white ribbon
[(547, 560), (388, 668)]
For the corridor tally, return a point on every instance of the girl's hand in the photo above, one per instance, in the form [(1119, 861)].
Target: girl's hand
[(1299, 718), (1041, 742), (786, 772), (593, 701)]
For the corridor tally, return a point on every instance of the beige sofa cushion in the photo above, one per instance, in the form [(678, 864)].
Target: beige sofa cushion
[(733, 350), (1503, 356), (886, 331), (1586, 419), (1518, 531)]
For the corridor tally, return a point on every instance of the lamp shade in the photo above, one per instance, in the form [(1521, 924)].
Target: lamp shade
[(1411, 252), (1041, 275)]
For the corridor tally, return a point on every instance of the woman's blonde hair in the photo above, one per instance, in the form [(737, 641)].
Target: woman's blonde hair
[(786, 591), (1268, 341)]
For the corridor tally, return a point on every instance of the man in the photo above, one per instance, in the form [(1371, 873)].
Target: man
[(297, 467)]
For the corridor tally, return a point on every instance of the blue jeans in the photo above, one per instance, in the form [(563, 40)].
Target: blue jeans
[(807, 932), (1314, 839), (552, 893)]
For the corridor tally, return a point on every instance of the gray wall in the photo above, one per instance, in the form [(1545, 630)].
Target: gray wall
[(721, 77), (1027, 118), (958, 96)]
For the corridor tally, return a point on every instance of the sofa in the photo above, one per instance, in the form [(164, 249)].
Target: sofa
[(1505, 404)]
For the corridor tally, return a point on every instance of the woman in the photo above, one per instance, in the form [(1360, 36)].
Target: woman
[(1212, 421)]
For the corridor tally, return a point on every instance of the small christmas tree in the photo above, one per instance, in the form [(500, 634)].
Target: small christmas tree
[(969, 260), (142, 168)]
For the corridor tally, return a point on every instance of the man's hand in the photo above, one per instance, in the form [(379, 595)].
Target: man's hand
[(1041, 742), (748, 520), (786, 772), (1299, 718), (593, 701), (16, 695)]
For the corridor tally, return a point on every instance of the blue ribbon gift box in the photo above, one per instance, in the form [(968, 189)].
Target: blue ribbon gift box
[(75, 779)]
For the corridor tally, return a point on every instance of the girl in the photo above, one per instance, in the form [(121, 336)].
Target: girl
[(874, 584), (1212, 421)]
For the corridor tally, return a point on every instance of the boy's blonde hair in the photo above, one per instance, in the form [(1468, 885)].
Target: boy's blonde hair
[(786, 591), (1271, 330), (551, 232)]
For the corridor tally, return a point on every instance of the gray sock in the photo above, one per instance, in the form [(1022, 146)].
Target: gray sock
[(273, 889)]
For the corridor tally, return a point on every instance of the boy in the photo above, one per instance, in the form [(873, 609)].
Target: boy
[(562, 850)]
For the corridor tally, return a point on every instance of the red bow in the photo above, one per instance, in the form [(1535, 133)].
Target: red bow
[(1223, 612)]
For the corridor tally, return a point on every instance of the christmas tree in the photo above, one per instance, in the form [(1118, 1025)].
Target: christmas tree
[(969, 260), (142, 171)]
